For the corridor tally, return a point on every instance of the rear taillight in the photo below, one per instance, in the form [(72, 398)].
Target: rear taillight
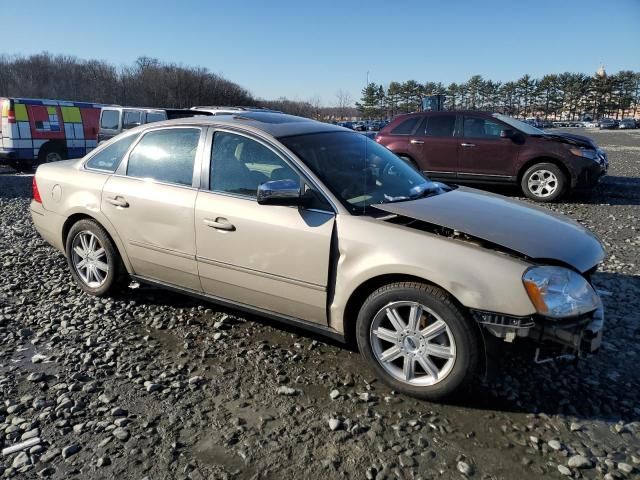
[(36, 193), (11, 113)]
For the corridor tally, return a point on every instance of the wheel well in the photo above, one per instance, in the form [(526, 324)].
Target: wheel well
[(361, 293), (55, 145), (533, 161), (410, 158), (75, 218)]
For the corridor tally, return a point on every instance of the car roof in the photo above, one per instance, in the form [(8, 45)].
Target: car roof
[(274, 124)]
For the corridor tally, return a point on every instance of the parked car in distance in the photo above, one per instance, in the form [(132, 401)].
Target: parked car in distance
[(490, 148), (35, 130), (607, 123), (115, 119), (348, 125), (316, 225), (627, 123), (590, 124)]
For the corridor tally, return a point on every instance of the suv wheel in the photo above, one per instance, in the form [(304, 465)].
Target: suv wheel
[(93, 259), (418, 341), (543, 182)]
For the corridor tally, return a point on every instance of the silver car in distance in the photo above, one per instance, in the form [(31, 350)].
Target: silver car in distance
[(319, 226)]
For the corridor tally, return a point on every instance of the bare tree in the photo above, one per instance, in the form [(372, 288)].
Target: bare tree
[(344, 101)]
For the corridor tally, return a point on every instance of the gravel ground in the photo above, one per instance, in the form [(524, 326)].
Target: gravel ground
[(156, 385)]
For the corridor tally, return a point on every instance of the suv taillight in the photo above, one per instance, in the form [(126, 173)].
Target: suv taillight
[(36, 193)]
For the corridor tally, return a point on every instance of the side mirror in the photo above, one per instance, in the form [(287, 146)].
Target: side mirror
[(281, 192), (507, 133)]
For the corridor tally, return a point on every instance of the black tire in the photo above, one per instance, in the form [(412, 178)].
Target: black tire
[(49, 153), (541, 195), (465, 334), (116, 275)]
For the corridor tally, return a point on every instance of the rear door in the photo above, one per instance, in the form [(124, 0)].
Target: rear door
[(485, 155), (436, 145), (272, 257), (150, 201)]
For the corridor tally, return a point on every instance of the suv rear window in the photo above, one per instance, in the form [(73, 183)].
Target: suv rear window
[(406, 127), (110, 119)]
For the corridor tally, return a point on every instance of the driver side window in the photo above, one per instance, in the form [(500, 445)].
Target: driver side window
[(239, 165)]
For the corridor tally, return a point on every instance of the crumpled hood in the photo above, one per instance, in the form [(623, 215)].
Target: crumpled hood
[(531, 231)]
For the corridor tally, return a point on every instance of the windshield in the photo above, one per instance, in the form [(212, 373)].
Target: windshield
[(522, 126), (358, 171)]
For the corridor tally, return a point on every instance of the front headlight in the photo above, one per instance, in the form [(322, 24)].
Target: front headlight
[(558, 292), (584, 152)]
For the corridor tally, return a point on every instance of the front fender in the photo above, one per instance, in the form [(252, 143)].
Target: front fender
[(476, 277)]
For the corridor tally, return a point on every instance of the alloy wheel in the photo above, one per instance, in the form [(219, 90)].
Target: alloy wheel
[(89, 259), (412, 343), (542, 183)]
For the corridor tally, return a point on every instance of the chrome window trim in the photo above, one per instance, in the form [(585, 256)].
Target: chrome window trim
[(272, 144), (121, 171)]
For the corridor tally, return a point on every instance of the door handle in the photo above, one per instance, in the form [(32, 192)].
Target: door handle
[(118, 201), (416, 142), (467, 145), (219, 224)]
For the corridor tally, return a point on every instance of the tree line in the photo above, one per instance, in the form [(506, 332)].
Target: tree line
[(147, 82), (567, 96)]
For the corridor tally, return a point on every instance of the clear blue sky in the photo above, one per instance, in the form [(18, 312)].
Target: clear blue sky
[(302, 49)]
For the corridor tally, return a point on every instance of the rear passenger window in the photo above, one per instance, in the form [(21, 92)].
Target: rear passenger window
[(109, 157), (406, 127), (131, 119), (441, 126), (110, 119), (165, 155)]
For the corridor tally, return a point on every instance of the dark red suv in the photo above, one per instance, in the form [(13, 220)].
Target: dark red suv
[(482, 147)]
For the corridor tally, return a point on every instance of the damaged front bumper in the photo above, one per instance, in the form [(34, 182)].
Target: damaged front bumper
[(552, 339)]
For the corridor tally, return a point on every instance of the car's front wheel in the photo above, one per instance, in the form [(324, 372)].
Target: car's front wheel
[(418, 341), (93, 258), (543, 182)]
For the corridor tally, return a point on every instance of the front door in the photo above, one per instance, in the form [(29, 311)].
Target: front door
[(272, 257), (486, 156), (151, 203), (436, 146)]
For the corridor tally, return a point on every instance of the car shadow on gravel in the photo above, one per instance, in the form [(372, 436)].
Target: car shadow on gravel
[(15, 185)]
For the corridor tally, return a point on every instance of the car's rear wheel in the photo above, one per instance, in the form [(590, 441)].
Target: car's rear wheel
[(93, 259), (418, 341), (543, 182)]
